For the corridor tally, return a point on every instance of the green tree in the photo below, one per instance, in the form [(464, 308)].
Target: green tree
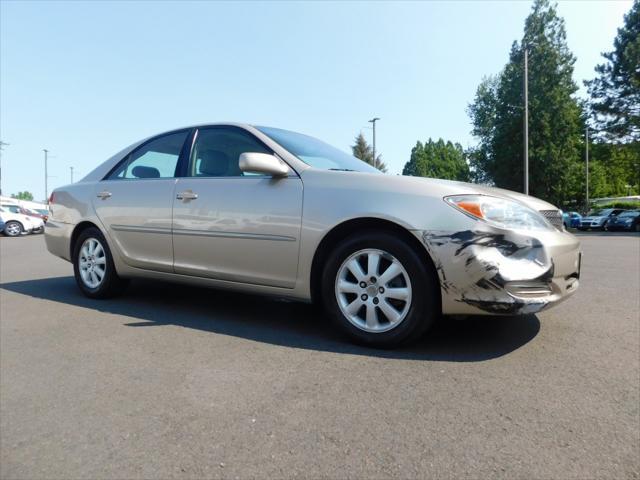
[(555, 122), (615, 92), (23, 196), (438, 160), (362, 150), (621, 164)]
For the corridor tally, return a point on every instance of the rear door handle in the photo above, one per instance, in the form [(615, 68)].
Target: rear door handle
[(188, 195), (104, 195)]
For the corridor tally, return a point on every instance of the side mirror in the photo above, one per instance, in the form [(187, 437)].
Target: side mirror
[(251, 162)]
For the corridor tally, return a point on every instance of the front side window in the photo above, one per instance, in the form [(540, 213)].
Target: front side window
[(155, 159), (216, 152)]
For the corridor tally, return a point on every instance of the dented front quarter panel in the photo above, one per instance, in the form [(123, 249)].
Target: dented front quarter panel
[(476, 267)]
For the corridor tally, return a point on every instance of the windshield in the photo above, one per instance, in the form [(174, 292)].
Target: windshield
[(601, 213), (629, 214), (316, 153)]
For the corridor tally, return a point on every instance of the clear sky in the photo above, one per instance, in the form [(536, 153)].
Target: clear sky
[(85, 79)]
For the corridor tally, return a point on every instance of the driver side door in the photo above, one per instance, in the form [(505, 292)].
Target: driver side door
[(230, 225)]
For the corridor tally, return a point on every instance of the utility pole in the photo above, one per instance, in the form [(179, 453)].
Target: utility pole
[(373, 121), (586, 157), (71, 169), (46, 175), (2, 145), (526, 121)]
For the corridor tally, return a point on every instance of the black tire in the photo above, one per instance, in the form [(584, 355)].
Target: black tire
[(424, 306), (13, 229), (111, 284)]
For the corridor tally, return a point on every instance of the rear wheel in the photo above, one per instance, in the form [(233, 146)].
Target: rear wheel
[(93, 266), (13, 229), (379, 290)]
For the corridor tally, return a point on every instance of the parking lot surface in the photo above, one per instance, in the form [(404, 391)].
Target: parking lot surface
[(173, 381)]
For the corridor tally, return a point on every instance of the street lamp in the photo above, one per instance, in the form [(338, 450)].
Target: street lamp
[(586, 159), (526, 121), (46, 175), (373, 121), (2, 144)]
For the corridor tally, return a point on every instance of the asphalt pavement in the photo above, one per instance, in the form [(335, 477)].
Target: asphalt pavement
[(171, 381)]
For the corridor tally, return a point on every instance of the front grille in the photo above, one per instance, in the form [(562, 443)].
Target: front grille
[(554, 217)]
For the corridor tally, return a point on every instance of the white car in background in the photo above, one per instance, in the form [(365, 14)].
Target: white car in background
[(17, 224)]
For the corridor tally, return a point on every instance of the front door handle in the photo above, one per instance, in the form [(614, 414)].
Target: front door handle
[(187, 195), (104, 195)]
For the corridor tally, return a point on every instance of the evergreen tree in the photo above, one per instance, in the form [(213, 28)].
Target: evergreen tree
[(23, 196), (615, 93), (555, 123), (362, 150), (437, 160)]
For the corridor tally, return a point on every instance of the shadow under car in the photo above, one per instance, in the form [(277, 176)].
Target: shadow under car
[(280, 322)]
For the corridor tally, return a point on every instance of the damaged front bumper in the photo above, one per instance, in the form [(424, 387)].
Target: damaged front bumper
[(500, 272)]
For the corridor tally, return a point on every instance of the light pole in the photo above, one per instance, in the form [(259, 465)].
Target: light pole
[(373, 121), (526, 121), (2, 145), (71, 170), (46, 175), (586, 158)]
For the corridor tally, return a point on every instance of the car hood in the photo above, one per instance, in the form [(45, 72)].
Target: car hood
[(437, 187)]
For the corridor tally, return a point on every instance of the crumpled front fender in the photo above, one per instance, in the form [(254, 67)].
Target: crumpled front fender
[(487, 270)]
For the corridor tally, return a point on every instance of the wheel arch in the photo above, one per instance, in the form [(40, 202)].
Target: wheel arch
[(78, 229), (339, 232)]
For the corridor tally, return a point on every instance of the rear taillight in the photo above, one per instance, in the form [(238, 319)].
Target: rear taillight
[(52, 198)]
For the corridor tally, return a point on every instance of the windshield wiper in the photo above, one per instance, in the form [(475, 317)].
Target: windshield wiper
[(342, 169)]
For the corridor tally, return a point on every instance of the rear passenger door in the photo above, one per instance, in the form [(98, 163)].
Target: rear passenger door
[(134, 202), (234, 226)]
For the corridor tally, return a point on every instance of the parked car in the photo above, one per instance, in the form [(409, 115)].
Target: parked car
[(25, 211), (43, 212), (629, 220), (598, 219), (571, 219), (275, 212), (1, 225), (17, 223), (37, 213)]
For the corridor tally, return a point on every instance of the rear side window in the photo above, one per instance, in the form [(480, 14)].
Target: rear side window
[(155, 159), (12, 208)]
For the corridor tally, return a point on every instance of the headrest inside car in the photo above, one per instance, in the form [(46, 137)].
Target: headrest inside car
[(213, 163), (145, 172)]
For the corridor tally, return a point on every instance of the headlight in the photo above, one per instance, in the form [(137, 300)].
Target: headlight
[(499, 212)]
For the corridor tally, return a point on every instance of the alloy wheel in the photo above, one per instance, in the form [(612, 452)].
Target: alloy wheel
[(373, 290), (13, 229), (92, 262)]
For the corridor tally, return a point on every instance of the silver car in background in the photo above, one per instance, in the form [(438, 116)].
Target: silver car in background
[(269, 211)]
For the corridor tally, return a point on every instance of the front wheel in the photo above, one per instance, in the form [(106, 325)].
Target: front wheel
[(93, 266), (13, 229), (379, 290)]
